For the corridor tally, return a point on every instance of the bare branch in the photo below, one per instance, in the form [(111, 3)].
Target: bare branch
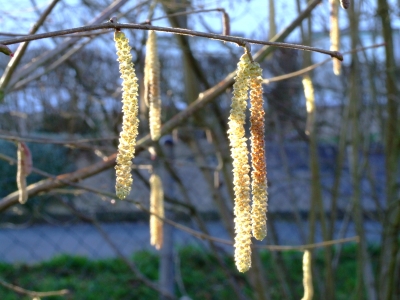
[(29, 293), (237, 40)]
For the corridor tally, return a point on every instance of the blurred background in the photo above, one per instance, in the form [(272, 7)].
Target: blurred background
[(333, 169)]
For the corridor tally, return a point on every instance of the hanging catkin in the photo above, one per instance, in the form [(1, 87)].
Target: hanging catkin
[(310, 103), (241, 168), (345, 3), (21, 174), (152, 86), (307, 276), (259, 172), (156, 209), (130, 121), (335, 34)]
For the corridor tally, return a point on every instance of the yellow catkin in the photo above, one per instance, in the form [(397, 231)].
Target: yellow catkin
[(307, 276), (156, 209), (241, 168), (21, 175), (259, 171), (310, 103), (335, 34), (152, 86), (130, 121)]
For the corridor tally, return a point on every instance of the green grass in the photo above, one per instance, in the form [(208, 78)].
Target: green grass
[(202, 276)]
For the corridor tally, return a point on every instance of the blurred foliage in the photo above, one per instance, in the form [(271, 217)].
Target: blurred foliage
[(201, 275)]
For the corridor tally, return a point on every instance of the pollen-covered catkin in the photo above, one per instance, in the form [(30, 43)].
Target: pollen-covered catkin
[(152, 85), (241, 168), (130, 121), (156, 209), (307, 276), (21, 175), (310, 103), (334, 34), (259, 171)]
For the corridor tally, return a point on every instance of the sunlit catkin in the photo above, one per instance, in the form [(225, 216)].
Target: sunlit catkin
[(310, 103), (241, 168), (156, 209), (345, 3), (335, 34), (307, 276), (259, 172), (21, 175), (130, 121), (152, 86)]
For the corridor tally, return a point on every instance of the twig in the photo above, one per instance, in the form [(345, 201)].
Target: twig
[(29, 293), (184, 13), (237, 40), (312, 67), (9, 71), (198, 234)]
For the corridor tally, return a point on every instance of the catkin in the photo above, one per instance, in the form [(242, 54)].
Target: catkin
[(241, 168), (21, 174), (310, 103), (226, 27), (259, 172), (307, 276), (156, 209), (152, 86), (130, 121), (345, 3), (335, 34)]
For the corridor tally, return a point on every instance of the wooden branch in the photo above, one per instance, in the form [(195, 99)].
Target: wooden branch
[(113, 25), (29, 293), (203, 99)]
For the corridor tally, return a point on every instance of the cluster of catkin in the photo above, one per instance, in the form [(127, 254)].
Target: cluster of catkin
[(130, 121), (248, 219), (152, 86)]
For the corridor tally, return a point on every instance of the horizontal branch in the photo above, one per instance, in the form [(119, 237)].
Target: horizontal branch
[(312, 67), (117, 26), (195, 233), (29, 293)]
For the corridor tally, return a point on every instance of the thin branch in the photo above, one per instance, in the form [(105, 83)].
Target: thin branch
[(29, 293), (5, 78), (237, 40), (184, 13), (194, 233), (312, 67), (28, 68)]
